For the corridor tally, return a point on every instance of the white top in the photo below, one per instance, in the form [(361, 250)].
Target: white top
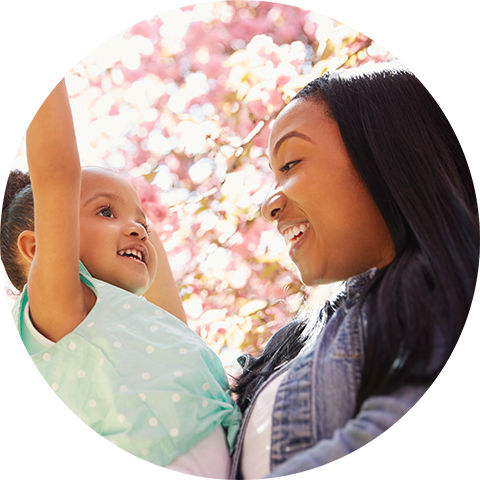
[(255, 460), (32, 331), (207, 460)]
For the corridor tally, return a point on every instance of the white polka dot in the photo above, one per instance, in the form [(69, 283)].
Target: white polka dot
[(72, 346), (121, 326), (117, 344), (124, 388), (174, 432), (54, 387), (153, 328), (81, 373), (176, 397), (101, 361), (145, 376), (150, 349), (121, 418), (144, 452), (46, 357), (100, 284), (127, 306), (142, 396), (178, 373), (158, 312), (205, 387), (205, 403), (92, 403), (114, 442), (91, 324), (153, 422), (182, 351)]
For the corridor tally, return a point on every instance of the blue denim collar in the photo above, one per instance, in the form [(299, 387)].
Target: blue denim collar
[(347, 296), (354, 285)]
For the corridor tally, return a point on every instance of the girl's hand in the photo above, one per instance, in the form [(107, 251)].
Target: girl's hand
[(50, 139), (163, 291)]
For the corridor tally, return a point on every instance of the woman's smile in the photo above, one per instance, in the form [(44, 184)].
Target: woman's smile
[(294, 234), (298, 241), (323, 210)]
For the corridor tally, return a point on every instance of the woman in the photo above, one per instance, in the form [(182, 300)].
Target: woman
[(371, 187)]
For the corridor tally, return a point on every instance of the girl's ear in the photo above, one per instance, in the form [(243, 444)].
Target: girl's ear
[(26, 245)]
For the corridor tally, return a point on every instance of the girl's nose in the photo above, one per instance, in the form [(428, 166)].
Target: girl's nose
[(136, 230), (273, 204)]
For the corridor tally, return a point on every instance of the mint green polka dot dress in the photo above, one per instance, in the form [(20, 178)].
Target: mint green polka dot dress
[(137, 375)]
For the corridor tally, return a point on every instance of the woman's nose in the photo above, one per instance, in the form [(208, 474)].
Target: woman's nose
[(273, 204)]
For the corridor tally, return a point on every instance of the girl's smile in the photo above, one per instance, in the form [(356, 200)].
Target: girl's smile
[(134, 254), (114, 243)]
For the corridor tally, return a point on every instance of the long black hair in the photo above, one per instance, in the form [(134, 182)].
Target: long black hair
[(410, 160)]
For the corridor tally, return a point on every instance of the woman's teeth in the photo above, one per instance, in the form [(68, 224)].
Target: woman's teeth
[(293, 232)]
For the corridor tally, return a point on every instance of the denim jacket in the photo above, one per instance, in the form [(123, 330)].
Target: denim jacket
[(313, 420)]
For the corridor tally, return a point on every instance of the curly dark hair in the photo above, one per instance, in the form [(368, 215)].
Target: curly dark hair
[(17, 216)]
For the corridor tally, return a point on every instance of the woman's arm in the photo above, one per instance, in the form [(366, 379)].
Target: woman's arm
[(163, 291), (56, 297), (397, 437)]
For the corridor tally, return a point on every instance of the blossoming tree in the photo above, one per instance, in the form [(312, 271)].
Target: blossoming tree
[(182, 103)]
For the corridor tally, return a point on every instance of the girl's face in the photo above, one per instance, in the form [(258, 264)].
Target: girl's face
[(114, 244), (325, 213)]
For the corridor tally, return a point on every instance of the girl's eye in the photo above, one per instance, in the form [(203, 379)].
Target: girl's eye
[(147, 228), (106, 212), (286, 168)]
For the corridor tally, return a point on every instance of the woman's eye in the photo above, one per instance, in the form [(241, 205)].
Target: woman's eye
[(286, 168)]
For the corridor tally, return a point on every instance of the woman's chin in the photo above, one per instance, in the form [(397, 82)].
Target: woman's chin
[(313, 278), (307, 277)]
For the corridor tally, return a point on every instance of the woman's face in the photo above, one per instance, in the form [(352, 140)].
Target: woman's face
[(323, 210)]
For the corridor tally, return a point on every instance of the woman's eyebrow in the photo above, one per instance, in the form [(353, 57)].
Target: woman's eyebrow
[(288, 135)]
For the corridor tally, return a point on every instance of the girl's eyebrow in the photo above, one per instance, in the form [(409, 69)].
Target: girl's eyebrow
[(114, 197), (110, 196)]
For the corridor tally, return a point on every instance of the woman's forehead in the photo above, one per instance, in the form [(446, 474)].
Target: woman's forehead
[(299, 117)]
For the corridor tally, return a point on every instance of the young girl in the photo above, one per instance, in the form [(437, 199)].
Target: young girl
[(132, 371)]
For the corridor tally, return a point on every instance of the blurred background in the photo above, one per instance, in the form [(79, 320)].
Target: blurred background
[(182, 104)]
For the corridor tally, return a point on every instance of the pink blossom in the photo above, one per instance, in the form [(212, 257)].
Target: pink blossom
[(282, 80), (268, 72), (149, 195)]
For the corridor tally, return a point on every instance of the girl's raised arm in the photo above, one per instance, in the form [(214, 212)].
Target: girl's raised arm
[(56, 296)]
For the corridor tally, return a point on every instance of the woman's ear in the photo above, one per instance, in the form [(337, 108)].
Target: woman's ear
[(26, 245)]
